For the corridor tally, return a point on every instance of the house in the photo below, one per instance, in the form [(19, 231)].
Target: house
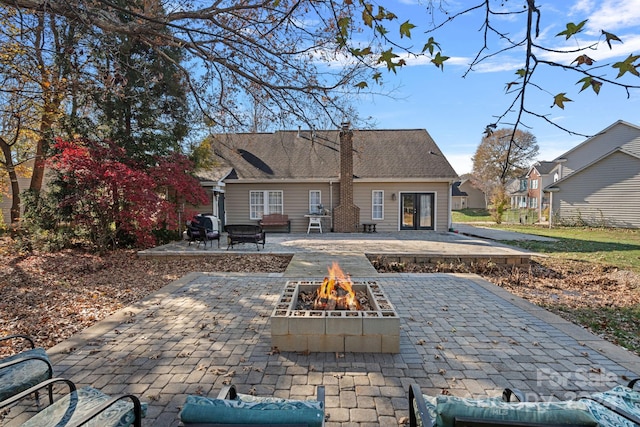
[(598, 181), (538, 177), (475, 198), (396, 179), (458, 197), (464, 195), (517, 189)]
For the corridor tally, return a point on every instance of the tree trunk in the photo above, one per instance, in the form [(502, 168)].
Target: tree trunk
[(13, 178)]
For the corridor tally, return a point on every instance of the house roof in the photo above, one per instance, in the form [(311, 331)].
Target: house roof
[(588, 140), (455, 190), (623, 149), (631, 148), (543, 167), (377, 154)]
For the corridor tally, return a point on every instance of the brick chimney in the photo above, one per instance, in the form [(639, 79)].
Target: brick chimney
[(346, 216)]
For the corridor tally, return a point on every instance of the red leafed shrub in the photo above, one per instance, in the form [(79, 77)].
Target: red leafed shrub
[(117, 200)]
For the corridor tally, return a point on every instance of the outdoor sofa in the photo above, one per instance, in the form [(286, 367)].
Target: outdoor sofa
[(245, 233)]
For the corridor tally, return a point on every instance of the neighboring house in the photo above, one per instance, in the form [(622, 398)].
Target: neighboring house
[(464, 195), (475, 198), (598, 181), (397, 179), (539, 176), (458, 197), (517, 190)]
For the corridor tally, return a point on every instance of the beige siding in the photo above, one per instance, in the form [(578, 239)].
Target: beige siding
[(296, 202), (603, 194), (475, 197), (391, 223), (458, 202)]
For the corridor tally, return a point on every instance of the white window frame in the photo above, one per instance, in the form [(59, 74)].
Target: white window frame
[(314, 204), (268, 202), (534, 184), (533, 202), (377, 203)]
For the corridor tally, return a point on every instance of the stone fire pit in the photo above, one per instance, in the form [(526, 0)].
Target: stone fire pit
[(376, 330)]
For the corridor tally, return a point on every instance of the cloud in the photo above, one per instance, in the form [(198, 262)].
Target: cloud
[(631, 44), (612, 15)]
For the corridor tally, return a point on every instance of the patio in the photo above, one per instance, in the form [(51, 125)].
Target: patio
[(457, 332)]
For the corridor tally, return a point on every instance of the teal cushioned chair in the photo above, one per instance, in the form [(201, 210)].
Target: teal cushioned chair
[(236, 409), (24, 369), (619, 407), (83, 407)]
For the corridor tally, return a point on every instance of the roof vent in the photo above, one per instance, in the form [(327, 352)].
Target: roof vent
[(345, 125)]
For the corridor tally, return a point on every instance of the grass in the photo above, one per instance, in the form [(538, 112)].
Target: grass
[(471, 215), (610, 246)]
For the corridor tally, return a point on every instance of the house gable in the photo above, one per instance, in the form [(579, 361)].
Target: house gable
[(603, 193), (615, 136)]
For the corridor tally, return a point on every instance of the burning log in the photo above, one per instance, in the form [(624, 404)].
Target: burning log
[(336, 292)]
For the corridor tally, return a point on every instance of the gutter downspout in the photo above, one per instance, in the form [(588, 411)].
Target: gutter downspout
[(450, 227), (331, 202)]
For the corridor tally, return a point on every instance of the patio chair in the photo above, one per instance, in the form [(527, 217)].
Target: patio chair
[(618, 407), (24, 369), (232, 408), (85, 406), (203, 229), (205, 235)]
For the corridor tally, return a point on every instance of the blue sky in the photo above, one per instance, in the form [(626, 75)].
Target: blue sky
[(455, 110)]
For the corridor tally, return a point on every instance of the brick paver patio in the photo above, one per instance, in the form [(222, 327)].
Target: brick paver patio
[(457, 333)]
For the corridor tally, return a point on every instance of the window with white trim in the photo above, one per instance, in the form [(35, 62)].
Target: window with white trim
[(533, 202), (265, 202), (377, 205), (534, 184), (315, 200)]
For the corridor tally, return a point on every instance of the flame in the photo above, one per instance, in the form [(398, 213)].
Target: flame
[(336, 291)]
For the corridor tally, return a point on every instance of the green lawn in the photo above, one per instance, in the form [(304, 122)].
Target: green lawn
[(471, 215), (611, 246)]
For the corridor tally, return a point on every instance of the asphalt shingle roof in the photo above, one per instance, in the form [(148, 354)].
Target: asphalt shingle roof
[(302, 155)]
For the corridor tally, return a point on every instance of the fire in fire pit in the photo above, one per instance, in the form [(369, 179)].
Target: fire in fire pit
[(336, 292)]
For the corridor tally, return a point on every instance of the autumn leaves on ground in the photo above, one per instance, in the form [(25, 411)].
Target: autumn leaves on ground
[(52, 296)]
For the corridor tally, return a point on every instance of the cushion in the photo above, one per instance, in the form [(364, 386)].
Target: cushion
[(620, 397), (21, 376), (431, 402), (71, 407), (251, 410), (565, 412)]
